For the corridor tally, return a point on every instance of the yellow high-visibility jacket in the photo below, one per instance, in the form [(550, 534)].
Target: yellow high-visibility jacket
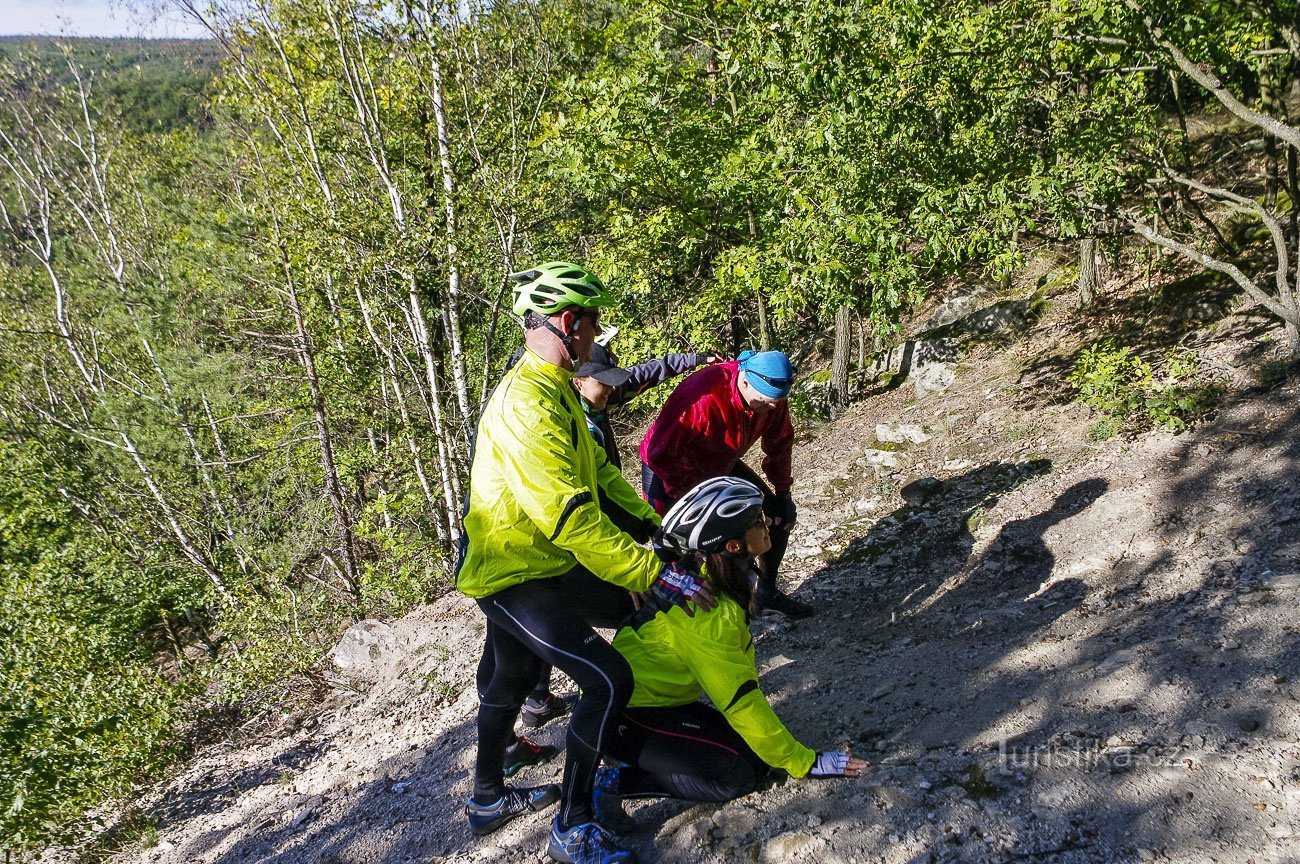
[(535, 487), (675, 658)]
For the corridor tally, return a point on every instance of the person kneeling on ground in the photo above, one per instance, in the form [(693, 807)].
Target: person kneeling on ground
[(671, 744)]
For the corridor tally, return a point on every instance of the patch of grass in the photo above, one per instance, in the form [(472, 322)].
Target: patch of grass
[(1104, 429), (840, 485), (1012, 434), (863, 553), (977, 786)]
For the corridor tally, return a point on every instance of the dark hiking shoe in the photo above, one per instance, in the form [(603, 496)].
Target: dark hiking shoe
[(783, 604), (535, 714), (523, 753), (607, 804), (486, 818)]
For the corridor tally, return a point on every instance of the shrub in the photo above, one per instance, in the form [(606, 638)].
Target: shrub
[(1131, 393)]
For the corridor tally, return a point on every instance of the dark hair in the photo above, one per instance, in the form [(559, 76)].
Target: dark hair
[(532, 321), (729, 575)]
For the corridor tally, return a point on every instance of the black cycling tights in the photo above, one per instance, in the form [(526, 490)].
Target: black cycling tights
[(487, 665), (550, 621), (686, 751)]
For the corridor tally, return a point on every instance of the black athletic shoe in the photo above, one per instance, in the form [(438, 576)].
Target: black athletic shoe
[(486, 818), (784, 604), (607, 806), (535, 714), (523, 753)]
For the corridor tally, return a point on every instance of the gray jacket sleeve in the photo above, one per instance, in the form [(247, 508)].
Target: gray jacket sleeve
[(654, 372)]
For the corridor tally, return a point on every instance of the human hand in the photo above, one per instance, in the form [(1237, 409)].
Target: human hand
[(677, 586), (646, 530), (837, 764), (782, 510)]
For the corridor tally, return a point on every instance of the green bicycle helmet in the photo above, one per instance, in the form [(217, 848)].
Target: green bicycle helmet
[(555, 286)]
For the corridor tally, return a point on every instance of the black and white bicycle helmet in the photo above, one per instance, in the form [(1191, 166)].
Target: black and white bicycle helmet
[(712, 513)]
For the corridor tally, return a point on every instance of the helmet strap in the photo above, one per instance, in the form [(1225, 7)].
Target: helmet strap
[(566, 339)]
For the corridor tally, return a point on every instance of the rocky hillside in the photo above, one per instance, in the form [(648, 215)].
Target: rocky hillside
[(1051, 648)]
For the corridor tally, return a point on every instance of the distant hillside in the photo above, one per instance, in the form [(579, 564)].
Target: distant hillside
[(160, 84)]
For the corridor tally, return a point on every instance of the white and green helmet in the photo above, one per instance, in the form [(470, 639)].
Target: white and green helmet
[(550, 288)]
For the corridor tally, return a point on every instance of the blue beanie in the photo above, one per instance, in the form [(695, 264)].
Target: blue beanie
[(768, 372)]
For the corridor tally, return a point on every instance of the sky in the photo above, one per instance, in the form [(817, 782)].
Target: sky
[(148, 18)]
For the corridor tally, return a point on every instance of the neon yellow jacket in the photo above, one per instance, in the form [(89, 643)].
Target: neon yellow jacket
[(535, 485), (675, 658)]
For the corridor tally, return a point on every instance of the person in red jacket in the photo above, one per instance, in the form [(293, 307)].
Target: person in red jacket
[(706, 426)]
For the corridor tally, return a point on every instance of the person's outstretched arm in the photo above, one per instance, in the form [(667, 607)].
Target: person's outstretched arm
[(654, 372)]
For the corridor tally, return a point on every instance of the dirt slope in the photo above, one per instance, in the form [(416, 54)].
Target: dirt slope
[(1052, 650)]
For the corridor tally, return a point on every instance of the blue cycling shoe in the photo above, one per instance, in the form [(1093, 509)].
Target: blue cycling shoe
[(486, 818), (587, 843), (607, 804)]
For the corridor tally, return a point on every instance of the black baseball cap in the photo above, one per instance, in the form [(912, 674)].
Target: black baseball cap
[(604, 367)]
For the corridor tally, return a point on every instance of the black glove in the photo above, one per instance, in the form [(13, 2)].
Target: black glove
[(829, 764), (645, 531), (665, 547), (781, 507)]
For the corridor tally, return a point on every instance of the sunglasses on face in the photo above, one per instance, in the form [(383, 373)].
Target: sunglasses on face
[(779, 383), (591, 314)]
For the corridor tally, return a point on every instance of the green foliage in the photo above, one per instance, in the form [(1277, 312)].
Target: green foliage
[(810, 400), (83, 705), (161, 85), (1114, 381)]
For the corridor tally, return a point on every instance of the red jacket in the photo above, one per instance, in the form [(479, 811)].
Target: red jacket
[(704, 429)]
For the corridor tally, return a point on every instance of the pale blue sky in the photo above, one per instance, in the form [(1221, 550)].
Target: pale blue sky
[(151, 18)]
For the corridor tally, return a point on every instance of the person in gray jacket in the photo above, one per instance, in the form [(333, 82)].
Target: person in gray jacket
[(603, 384)]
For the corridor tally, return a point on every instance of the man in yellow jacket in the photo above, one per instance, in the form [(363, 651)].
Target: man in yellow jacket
[(545, 564)]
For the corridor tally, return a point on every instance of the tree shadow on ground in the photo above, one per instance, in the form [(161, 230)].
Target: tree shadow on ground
[(1142, 734)]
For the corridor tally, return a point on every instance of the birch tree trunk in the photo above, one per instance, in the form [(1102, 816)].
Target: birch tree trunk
[(333, 489), (457, 363)]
